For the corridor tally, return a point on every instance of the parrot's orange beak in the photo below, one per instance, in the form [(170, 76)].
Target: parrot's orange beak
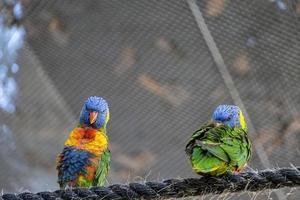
[(93, 116)]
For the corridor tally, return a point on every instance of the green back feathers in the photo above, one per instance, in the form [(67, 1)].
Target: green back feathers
[(216, 148)]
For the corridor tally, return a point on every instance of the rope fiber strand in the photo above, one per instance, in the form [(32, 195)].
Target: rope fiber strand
[(175, 188)]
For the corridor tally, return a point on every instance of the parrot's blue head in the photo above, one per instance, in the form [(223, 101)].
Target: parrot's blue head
[(229, 115), (94, 113)]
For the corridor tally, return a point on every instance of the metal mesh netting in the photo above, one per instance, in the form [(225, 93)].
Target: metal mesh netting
[(152, 62)]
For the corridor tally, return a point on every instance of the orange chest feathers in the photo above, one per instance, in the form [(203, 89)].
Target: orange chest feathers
[(91, 140)]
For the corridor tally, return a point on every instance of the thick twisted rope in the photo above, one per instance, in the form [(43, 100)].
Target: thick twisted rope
[(174, 188)]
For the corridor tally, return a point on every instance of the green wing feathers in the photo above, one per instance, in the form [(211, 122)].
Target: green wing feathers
[(103, 168), (204, 162), (215, 149)]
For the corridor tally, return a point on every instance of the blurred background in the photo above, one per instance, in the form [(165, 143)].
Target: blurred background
[(163, 66)]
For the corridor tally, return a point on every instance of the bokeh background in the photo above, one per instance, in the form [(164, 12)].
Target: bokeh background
[(163, 66)]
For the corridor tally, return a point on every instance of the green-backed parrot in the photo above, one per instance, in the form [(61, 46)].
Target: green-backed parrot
[(222, 145)]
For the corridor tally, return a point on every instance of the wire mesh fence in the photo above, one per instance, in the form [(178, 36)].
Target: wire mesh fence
[(152, 63)]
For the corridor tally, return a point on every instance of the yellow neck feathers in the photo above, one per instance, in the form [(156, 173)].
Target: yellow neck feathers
[(91, 140), (242, 121)]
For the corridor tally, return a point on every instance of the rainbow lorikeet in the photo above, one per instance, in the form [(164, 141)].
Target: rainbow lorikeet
[(221, 145), (84, 161)]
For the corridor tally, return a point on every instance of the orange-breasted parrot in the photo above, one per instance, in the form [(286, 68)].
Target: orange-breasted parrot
[(222, 145), (84, 161)]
